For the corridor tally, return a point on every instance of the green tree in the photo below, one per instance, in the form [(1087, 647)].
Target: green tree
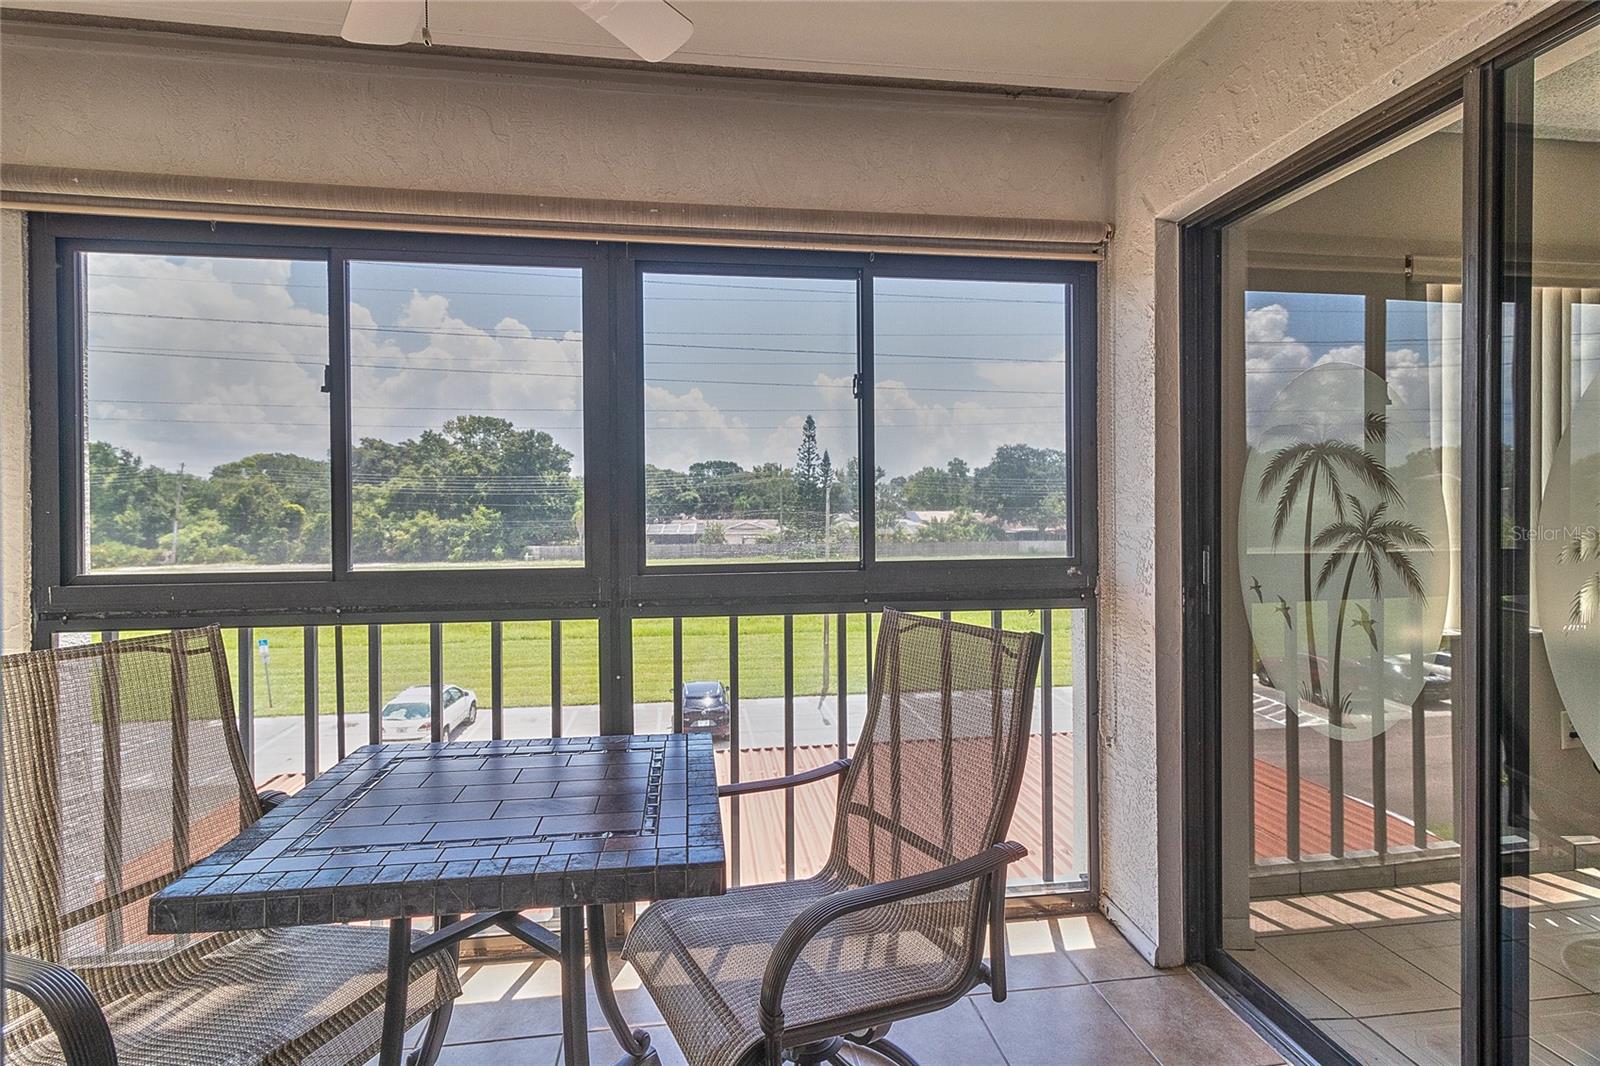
[(1018, 482), (807, 476)]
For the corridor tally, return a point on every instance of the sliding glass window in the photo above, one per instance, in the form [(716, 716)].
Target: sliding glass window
[(204, 436), (466, 397), (971, 414)]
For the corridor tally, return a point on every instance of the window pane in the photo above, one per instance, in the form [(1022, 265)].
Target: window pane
[(206, 431), (467, 415), (751, 424), (971, 411)]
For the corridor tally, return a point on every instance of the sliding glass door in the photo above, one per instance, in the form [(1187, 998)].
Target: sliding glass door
[(1340, 564), (1548, 518), (1393, 569)]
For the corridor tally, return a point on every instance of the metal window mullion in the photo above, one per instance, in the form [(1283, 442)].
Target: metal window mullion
[(1477, 670), (867, 468), (435, 681), (340, 446), (309, 672)]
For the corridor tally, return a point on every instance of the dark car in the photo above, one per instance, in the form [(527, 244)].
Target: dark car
[(705, 708)]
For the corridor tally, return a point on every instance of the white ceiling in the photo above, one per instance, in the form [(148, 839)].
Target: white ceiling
[(1056, 44)]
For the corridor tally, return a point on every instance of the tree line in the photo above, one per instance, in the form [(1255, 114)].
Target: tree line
[(481, 490)]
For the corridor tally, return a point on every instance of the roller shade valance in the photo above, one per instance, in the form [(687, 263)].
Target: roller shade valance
[(234, 200)]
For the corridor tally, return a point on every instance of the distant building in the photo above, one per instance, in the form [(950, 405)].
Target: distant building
[(693, 530)]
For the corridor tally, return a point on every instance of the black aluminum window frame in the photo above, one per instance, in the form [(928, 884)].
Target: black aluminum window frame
[(615, 575)]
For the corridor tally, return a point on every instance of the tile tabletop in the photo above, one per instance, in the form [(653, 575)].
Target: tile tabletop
[(397, 830)]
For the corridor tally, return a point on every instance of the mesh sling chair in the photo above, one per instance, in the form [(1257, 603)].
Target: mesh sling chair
[(894, 924), (123, 767)]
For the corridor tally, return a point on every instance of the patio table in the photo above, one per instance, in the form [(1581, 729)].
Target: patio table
[(482, 829)]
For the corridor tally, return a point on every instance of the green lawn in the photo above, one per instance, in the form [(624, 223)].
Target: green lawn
[(526, 660)]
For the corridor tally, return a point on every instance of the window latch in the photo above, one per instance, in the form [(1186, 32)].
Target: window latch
[(327, 379), (855, 386)]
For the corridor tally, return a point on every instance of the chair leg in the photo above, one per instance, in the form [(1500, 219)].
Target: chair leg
[(427, 1052)]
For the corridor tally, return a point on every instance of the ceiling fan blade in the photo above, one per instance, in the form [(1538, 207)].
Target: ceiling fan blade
[(654, 29), (382, 21)]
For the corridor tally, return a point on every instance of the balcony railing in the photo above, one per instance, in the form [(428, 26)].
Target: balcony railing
[(796, 691), (1331, 812)]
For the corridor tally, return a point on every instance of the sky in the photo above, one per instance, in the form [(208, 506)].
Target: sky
[(203, 360), (1287, 333)]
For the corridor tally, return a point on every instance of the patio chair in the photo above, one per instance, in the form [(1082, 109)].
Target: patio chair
[(123, 767), (894, 924)]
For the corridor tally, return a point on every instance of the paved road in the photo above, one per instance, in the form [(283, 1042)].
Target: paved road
[(280, 741)]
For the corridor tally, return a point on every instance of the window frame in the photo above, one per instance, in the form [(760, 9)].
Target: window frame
[(615, 574)]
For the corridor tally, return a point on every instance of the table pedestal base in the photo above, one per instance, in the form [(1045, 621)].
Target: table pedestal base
[(568, 950)]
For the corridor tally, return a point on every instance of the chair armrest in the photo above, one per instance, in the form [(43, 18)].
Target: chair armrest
[(817, 916), (804, 777), (69, 1007), (271, 798)]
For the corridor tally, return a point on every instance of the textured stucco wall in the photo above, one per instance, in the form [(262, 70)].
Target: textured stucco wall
[(234, 109), (1260, 82), (13, 435)]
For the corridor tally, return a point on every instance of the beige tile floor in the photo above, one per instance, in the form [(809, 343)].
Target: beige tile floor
[(1079, 994), (1380, 970)]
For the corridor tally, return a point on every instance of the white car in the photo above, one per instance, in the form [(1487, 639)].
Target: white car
[(408, 715)]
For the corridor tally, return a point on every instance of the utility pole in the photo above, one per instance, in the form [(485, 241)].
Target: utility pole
[(177, 511)]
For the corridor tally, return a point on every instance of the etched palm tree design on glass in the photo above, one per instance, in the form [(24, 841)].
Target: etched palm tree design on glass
[(1341, 515), (1370, 539), (1583, 546), (1301, 467)]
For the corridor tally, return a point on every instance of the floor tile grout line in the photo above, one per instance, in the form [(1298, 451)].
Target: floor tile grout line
[(1148, 1050), (989, 1029)]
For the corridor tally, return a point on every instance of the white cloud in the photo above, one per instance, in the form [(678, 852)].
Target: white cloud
[(443, 366), (201, 361)]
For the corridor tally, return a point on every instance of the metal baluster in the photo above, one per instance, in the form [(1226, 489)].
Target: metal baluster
[(1380, 775), (374, 684), (555, 677), (1335, 784), (338, 688), (1047, 745), (497, 682), (111, 784), (1291, 769), (247, 698), (435, 681), (733, 737), (844, 687), (1419, 773), (312, 700), (788, 745), (677, 675)]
